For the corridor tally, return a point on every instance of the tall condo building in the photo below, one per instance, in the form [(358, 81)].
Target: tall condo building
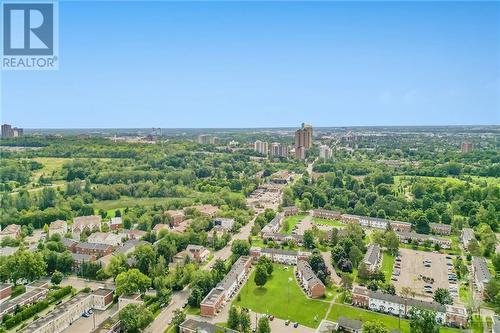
[(11, 132), (325, 152), (279, 150), (261, 147), (204, 139), (303, 139)]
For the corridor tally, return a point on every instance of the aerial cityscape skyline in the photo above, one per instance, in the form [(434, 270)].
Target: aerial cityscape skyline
[(263, 64)]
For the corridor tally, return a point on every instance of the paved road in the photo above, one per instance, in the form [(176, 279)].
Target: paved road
[(161, 322), (327, 256), (180, 298)]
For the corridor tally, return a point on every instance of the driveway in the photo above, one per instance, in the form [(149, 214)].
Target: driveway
[(160, 323)]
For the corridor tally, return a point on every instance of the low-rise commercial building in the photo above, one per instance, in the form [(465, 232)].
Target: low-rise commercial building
[(309, 281), (107, 238), (225, 289)]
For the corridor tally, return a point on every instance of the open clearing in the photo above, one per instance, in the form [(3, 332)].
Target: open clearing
[(131, 202), (274, 299)]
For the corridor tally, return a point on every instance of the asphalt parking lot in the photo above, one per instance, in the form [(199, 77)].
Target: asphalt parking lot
[(413, 268)]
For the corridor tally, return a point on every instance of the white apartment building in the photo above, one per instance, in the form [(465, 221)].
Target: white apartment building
[(261, 147), (325, 152)]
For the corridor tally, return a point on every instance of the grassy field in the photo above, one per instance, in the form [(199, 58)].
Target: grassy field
[(290, 222), (387, 265), (50, 164), (339, 310), (274, 299), (131, 202)]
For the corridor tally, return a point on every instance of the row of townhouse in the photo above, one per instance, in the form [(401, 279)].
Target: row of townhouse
[(449, 315), (274, 225), (225, 289), (196, 326), (283, 238), (291, 210), (311, 284), (35, 291), (68, 312), (286, 257), (375, 222), (92, 249), (326, 214), (12, 231), (413, 237), (372, 258), (467, 236), (481, 273)]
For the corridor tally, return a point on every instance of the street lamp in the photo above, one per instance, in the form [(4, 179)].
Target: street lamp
[(288, 296)]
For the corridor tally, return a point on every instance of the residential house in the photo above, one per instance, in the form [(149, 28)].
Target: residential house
[(207, 210), (327, 326), (135, 234), (225, 223), (197, 253), (108, 238), (59, 227), (480, 272), (116, 223), (12, 230), (69, 243), (160, 226), (129, 246), (81, 223), (309, 281), (99, 250), (372, 257), (440, 228), (175, 216), (349, 325)]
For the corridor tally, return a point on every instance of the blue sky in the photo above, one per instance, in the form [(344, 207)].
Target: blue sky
[(264, 64)]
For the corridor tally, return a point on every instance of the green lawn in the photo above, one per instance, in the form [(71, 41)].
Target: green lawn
[(476, 324), (131, 202), (274, 299), (464, 294), (290, 222), (391, 322), (387, 265), (330, 223)]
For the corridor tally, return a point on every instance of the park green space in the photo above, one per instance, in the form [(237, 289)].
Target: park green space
[(131, 202), (290, 222), (282, 299), (387, 265), (330, 223)]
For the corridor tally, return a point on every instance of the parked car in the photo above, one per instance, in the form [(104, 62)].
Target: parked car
[(295, 324), (287, 322)]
